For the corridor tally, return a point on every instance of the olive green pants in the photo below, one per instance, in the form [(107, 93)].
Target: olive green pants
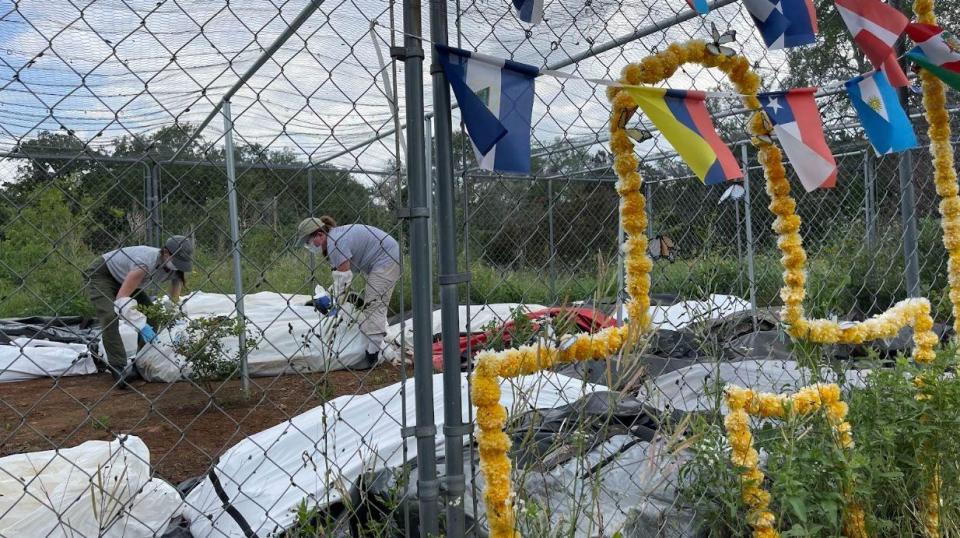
[(102, 289)]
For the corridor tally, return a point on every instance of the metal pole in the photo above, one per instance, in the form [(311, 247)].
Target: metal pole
[(235, 240), (868, 201), (291, 29), (751, 281), (449, 278), (147, 204), (736, 208), (155, 220), (553, 243), (618, 42), (420, 269), (310, 213), (908, 214), (908, 205)]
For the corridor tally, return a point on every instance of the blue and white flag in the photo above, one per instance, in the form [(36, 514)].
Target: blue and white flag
[(530, 11), (784, 23), (496, 102), (884, 120)]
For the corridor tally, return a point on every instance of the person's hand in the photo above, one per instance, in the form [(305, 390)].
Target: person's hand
[(322, 304), (148, 334), (341, 283)]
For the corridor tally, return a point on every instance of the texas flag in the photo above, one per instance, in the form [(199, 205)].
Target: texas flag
[(784, 23), (796, 121), (875, 27)]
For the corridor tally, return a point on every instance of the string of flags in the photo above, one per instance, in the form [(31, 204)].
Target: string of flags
[(496, 95)]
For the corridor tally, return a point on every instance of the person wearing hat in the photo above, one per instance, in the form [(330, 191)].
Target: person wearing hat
[(363, 248), (126, 273)]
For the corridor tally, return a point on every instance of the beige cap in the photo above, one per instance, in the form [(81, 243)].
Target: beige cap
[(181, 251), (308, 227)]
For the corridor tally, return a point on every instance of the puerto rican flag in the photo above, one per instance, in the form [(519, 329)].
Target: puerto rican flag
[(796, 121), (875, 27)]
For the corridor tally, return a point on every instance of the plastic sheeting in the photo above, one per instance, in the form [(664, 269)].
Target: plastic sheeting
[(291, 337), (480, 315), (686, 313), (317, 455), (98, 488), (28, 358), (698, 386)]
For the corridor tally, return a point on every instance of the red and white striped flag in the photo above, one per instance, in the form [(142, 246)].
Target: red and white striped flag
[(876, 27)]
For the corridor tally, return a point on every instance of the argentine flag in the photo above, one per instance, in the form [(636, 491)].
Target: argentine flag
[(496, 103), (884, 120)]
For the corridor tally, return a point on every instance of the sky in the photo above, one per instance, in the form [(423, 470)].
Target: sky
[(107, 68)]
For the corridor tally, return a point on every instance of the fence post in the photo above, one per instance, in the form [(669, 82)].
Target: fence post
[(553, 243), (147, 204), (453, 428), (312, 260), (428, 488), (235, 241), (154, 208), (869, 201), (751, 281)]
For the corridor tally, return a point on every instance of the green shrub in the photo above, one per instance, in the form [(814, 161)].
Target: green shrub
[(42, 258), (900, 441)]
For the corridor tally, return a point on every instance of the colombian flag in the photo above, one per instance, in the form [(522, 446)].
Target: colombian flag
[(683, 119)]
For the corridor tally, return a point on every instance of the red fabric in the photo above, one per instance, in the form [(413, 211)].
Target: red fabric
[(586, 319)]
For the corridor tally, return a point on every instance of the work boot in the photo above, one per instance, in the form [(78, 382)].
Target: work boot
[(371, 359), (123, 376)]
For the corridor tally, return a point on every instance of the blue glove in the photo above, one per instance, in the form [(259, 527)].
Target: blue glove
[(322, 304), (148, 334)]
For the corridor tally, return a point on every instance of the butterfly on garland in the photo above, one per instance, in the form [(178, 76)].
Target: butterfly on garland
[(717, 47)]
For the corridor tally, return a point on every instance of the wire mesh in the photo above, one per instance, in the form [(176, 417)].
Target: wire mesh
[(101, 104)]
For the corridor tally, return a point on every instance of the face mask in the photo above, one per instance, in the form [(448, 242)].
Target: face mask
[(169, 266), (314, 249)]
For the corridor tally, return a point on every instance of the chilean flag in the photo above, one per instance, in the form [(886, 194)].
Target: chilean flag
[(875, 27), (784, 23), (796, 121)]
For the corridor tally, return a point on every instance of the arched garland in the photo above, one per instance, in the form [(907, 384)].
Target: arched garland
[(492, 367)]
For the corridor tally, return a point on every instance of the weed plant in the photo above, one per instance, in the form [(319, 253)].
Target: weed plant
[(905, 431)]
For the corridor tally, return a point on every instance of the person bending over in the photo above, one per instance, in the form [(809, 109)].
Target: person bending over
[(363, 248), (126, 273)]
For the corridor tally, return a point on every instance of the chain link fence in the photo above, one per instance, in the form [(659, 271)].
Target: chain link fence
[(123, 123)]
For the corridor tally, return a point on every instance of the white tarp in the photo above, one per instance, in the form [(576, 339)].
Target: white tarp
[(27, 358), (698, 387), (685, 313), (290, 336), (480, 315), (98, 488), (318, 454)]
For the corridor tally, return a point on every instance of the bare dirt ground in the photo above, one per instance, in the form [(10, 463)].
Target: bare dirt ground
[(185, 429)]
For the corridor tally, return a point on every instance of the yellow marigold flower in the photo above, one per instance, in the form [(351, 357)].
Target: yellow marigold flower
[(760, 518), (738, 397), (771, 405), (485, 391), (745, 458), (736, 420)]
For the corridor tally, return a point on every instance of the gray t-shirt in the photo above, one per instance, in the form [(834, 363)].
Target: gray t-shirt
[(366, 247), (123, 260)]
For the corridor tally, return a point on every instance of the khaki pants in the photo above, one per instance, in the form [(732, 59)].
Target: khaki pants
[(102, 289), (376, 300)]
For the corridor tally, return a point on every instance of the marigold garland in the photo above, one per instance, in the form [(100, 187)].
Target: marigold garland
[(494, 444), (743, 403), (945, 181)]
